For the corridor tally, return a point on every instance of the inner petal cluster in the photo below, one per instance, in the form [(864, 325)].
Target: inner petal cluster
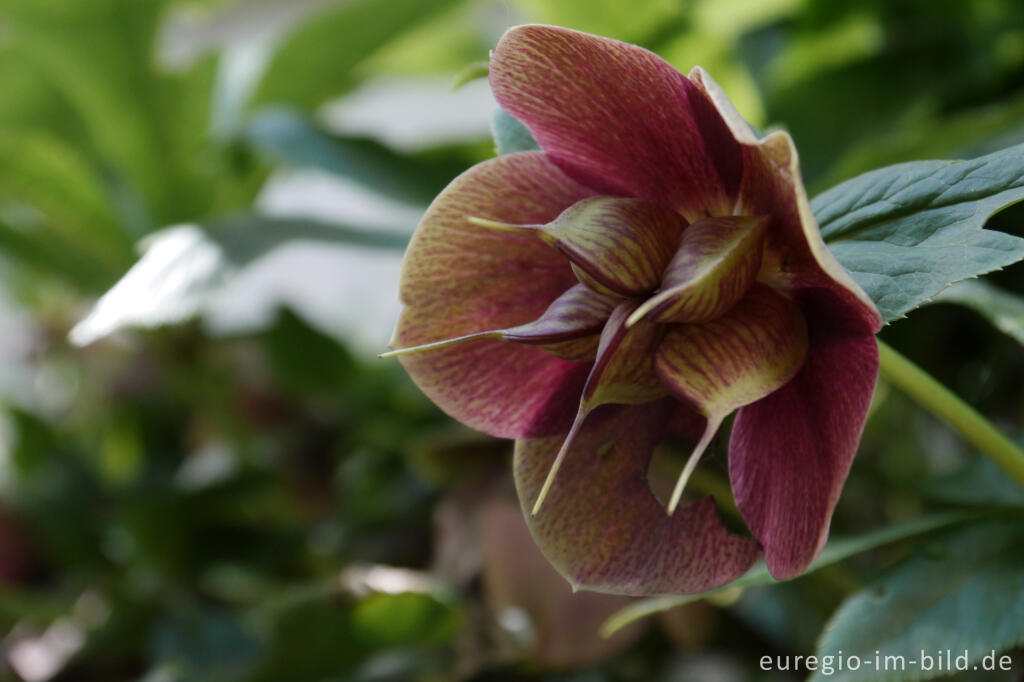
[(662, 307), (665, 307)]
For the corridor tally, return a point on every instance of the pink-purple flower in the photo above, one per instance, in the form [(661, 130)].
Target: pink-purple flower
[(654, 266)]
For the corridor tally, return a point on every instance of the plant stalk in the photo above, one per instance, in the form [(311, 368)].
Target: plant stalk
[(964, 419)]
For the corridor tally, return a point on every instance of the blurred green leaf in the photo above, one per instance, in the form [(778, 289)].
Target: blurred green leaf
[(1003, 309), (143, 126), (908, 231), (981, 483), (471, 73), (49, 175), (965, 594), (957, 57), (510, 135), (293, 139), (183, 267), (316, 62), (305, 360), (389, 620), (34, 248), (835, 551), (203, 645)]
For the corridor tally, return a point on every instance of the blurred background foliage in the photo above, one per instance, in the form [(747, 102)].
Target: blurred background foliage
[(205, 474)]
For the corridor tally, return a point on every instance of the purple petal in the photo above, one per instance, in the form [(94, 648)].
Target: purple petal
[(794, 250), (601, 526), (736, 359), (570, 328), (618, 118), (459, 279), (790, 452)]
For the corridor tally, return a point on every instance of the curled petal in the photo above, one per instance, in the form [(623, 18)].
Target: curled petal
[(771, 185), (616, 245), (623, 374), (717, 262), (624, 370), (736, 359), (738, 126), (459, 279), (795, 256), (604, 530), (570, 328), (618, 118), (577, 312), (791, 451)]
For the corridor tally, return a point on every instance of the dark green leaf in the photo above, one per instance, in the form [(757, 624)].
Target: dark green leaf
[(964, 595), (1004, 310), (981, 483), (908, 231)]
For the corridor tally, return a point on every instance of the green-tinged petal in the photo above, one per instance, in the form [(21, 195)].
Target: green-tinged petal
[(732, 361), (622, 374), (794, 249), (717, 262), (616, 245), (601, 526), (624, 370), (570, 328), (738, 358), (460, 279)]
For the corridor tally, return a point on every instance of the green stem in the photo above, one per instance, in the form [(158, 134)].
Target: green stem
[(964, 419)]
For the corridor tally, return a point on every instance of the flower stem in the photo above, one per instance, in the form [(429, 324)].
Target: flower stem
[(964, 419)]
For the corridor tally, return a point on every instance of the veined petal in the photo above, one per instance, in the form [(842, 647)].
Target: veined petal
[(604, 530), (623, 373), (795, 256), (570, 328), (731, 361), (459, 279), (791, 451), (616, 244), (618, 118), (717, 262), (624, 370), (738, 125), (736, 359)]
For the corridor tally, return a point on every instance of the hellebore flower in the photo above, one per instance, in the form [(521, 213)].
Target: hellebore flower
[(655, 263)]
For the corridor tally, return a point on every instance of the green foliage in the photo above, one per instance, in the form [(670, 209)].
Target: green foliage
[(273, 506), (1003, 309), (292, 139), (908, 231), (974, 579), (333, 43)]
